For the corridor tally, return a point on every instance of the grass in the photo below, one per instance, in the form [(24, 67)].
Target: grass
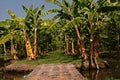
[(3, 55), (57, 56)]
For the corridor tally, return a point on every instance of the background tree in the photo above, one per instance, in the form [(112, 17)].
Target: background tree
[(69, 12), (8, 35), (4, 25)]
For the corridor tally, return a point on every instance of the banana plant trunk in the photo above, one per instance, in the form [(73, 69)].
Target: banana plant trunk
[(5, 50), (73, 49), (13, 50), (28, 47), (81, 46), (91, 46), (25, 40), (66, 45), (118, 43), (35, 42), (93, 54)]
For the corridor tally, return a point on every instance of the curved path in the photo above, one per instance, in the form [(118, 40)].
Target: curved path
[(63, 71)]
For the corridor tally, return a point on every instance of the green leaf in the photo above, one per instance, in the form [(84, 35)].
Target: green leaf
[(90, 16), (108, 1), (65, 3), (106, 19), (39, 15), (56, 16), (31, 7), (103, 36), (35, 10), (56, 2), (25, 9), (11, 14), (42, 7), (58, 25), (5, 23), (72, 23), (50, 12), (7, 37)]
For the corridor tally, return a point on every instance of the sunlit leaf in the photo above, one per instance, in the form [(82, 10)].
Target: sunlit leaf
[(11, 14), (7, 37)]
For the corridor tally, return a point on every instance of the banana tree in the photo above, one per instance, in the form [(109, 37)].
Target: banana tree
[(115, 20), (111, 9), (33, 19), (69, 12), (46, 38), (116, 24), (55, 30), (3, 31), (96, 17), (61, 13), (89, 14), (17, 25), (8, 35), (92, 19)]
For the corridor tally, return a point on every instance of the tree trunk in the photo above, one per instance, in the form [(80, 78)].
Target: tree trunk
[(96, 48), (96, 54), (118, 43), (79, 49), (66, 45), (35, 41), (13, 50), (73, 49), (25, 40), (81, 46), (93, 51), (29, 52), (5, 51), (91, 46), (96, 62)]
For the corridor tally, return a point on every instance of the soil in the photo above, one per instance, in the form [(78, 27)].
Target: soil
[(22, 67), (19, 67)]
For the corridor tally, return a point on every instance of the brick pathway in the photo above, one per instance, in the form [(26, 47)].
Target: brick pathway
[(55, 72)]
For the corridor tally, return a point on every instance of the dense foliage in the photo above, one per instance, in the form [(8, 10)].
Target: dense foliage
[(80, 27)]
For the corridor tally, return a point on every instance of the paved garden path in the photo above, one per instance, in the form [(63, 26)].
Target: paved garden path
[(63, 71)]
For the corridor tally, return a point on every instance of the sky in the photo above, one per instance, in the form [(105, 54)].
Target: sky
[(16, 7)]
